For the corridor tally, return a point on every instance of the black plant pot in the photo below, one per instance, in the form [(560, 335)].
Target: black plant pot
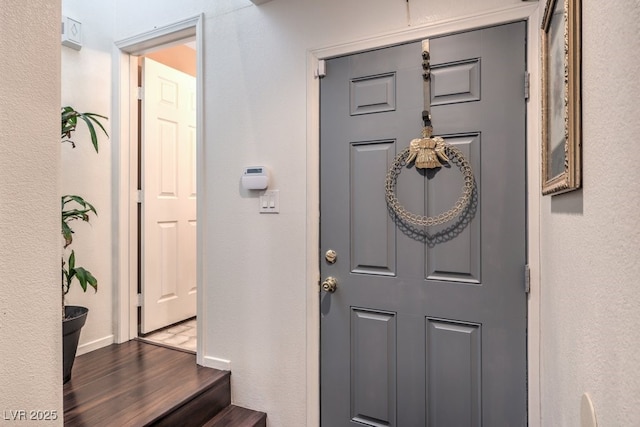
[(73, 322)]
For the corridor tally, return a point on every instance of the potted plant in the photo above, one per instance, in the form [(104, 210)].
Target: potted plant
[(75, 208)]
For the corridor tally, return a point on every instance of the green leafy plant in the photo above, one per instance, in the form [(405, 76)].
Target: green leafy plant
[(81, 211), (75, 207), (70, 119)]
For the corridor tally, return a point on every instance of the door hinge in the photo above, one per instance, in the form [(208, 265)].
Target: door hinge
[(321, 71), (139, 197), (527, 279), (140, 93), (527, 84), (139, 300)]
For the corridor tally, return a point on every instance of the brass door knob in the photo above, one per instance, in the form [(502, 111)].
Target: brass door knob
[(330, 284)]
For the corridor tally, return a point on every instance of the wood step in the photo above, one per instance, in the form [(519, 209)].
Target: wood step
[(141, 384), (236, 416)]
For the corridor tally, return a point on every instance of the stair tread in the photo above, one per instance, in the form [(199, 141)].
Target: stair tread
[(137, 383), (237, 416)]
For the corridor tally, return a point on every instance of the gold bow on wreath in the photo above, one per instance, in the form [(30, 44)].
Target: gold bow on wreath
[(426, 150)]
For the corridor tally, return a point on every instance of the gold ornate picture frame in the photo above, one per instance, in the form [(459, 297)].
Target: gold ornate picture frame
[(561, 96)]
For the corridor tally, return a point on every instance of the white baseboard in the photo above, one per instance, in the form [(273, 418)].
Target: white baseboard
[(94, 345), (215, 363)]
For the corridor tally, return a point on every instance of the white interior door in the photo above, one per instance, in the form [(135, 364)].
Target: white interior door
[(168, 244)]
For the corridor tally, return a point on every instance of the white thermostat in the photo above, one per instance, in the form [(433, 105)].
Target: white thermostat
[(255, 178)]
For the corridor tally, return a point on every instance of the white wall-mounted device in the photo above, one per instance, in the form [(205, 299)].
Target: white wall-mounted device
[(255, 178), (71, 33)]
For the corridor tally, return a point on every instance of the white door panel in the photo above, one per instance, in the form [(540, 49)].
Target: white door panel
[(169, 197)]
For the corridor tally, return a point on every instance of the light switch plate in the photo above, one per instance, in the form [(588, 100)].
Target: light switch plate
[(270, 202)]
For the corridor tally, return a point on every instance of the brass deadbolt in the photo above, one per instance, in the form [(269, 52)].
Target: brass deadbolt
[(331, 256)]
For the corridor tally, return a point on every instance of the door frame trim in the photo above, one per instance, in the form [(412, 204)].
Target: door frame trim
[(125, 160), (529, 13)]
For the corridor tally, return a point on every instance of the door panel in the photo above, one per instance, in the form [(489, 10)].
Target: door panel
[(455, 259), (168, 209), (427, 325), (453, 364), (373, 249), (373, 94), (373, 366), (455, 82)]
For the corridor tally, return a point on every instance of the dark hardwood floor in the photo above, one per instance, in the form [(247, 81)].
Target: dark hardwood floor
[(139, 384), (233, 416)]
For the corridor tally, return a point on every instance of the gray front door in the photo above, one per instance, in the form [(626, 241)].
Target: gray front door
[(427, 326)]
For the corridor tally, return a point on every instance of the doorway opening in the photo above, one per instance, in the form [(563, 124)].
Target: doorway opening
[(166, 182), (159, 154)]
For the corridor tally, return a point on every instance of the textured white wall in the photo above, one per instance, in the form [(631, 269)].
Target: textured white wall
[(86, 85), (590, 239), (255, 113), (30, 309)]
